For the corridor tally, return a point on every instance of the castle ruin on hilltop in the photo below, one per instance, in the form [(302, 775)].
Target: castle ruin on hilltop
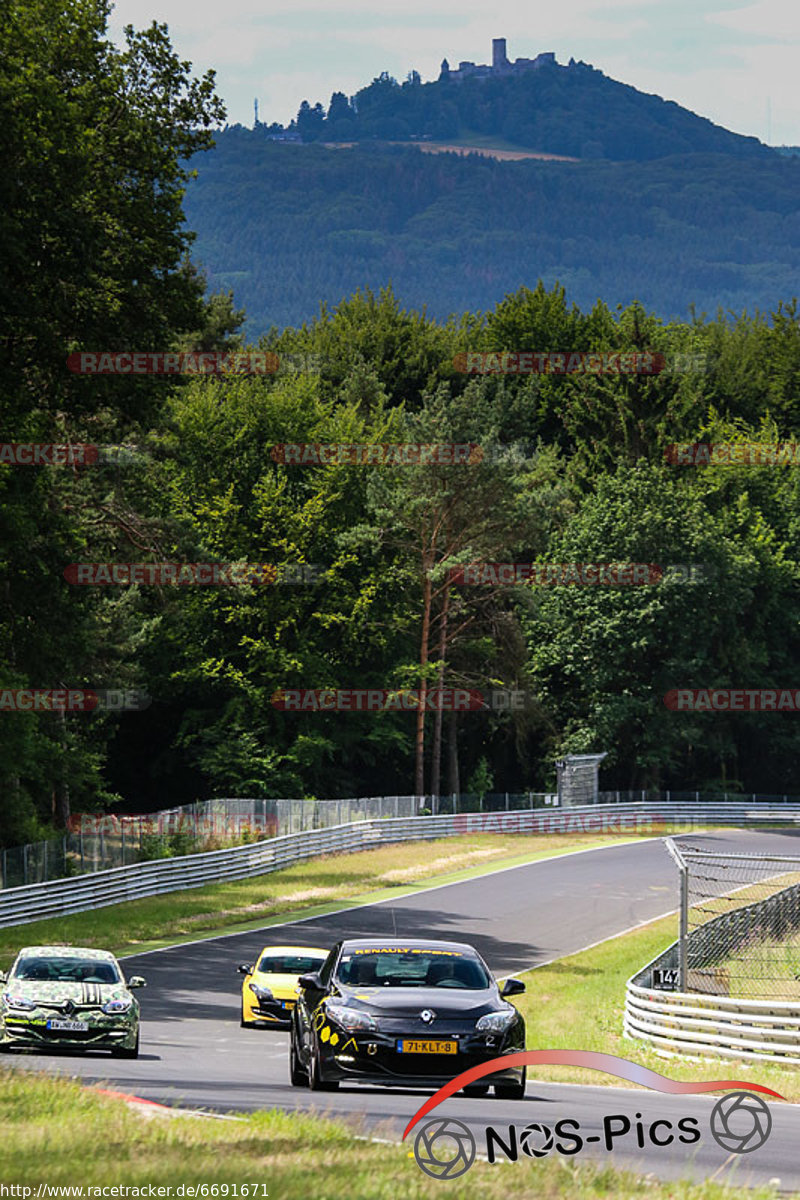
[(501, 64)]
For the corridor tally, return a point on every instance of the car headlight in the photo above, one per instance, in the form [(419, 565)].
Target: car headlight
[(496, 1022), (117, 1006), (350, 1018), (19, 1002), (261, 993)]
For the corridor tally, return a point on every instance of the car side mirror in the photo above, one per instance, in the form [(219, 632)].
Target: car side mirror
[(311, 981), (244, 969), (137, 981), (3, 977), (512, 987)]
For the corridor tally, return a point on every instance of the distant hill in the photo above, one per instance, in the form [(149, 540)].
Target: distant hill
[(291, 226), (573, 111)]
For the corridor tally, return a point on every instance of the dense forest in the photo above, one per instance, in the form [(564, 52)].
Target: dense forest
[(288, 227), (575, 468)]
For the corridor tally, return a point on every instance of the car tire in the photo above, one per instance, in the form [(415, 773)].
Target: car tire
[(122, 1052), (511, 1091), (297, 1072), (315, 1080), (476, 1089), (244, 1024)]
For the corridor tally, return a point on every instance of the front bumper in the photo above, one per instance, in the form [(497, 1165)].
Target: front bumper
[(373, 1057), (272, 1012), (32, 1032)]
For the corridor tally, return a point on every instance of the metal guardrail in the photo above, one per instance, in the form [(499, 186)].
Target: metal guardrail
[(34, 902), (101, 841), (686, 1024)]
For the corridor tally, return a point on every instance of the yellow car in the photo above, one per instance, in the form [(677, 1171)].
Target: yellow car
[(269, 989)]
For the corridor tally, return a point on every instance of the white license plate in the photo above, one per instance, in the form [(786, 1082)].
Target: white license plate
[(69, 1026)]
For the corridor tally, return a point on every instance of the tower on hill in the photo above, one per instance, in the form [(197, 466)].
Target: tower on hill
[(499, 59)]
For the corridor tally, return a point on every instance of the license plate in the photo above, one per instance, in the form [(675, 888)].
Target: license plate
[(68, 1026), (415, 1046), (287, 1003)]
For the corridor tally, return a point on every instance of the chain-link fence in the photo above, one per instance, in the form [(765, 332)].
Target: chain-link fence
[(740, 923), (96, 842), (99, 841)]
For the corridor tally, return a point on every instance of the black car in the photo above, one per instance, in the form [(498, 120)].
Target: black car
[(408, 1013)]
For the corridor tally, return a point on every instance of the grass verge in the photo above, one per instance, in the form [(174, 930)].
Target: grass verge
[(56, 1132), (312, 888), (578, 1002)]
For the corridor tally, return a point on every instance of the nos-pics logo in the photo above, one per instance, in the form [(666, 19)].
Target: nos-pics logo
[(446, 1148)]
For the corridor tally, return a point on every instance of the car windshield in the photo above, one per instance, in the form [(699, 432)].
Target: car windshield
[(290, 964), (412, 968), (66, 970)]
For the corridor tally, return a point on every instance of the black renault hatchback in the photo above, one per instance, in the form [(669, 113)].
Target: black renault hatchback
[(410, 1013)]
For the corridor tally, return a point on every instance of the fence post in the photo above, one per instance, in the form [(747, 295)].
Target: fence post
[(44, 863), (506, 801), (25, 863), (684, 926)]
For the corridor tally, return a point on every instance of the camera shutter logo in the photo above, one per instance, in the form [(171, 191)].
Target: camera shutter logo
[(444, 1148), (741, 1122), (536, 1140)]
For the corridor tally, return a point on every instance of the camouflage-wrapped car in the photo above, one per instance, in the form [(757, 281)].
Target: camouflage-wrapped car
[(68, 997)]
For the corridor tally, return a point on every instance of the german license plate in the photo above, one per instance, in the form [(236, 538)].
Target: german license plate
[(417, 1046), (68, 1026)]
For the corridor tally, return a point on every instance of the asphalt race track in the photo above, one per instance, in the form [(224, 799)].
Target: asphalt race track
[(194, 1053)]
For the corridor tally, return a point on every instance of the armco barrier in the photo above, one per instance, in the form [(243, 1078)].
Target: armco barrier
[(21, 905), (687, 1024)]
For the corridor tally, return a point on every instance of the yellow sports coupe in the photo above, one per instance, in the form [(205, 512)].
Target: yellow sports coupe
[(269, 988)]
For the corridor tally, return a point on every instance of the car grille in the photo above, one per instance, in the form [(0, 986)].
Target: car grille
[(414, 1026)]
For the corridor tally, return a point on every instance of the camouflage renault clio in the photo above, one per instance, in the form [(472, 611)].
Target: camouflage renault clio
[(70, 998)]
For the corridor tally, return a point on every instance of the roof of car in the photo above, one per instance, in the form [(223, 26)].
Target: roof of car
[(407, 944), (66, 951), (295, 950)]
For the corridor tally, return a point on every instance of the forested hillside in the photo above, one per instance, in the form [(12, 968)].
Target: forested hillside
[(573, 468), (572, 110), (291, 227)]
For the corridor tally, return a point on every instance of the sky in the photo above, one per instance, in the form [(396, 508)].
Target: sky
[(733, 61)]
